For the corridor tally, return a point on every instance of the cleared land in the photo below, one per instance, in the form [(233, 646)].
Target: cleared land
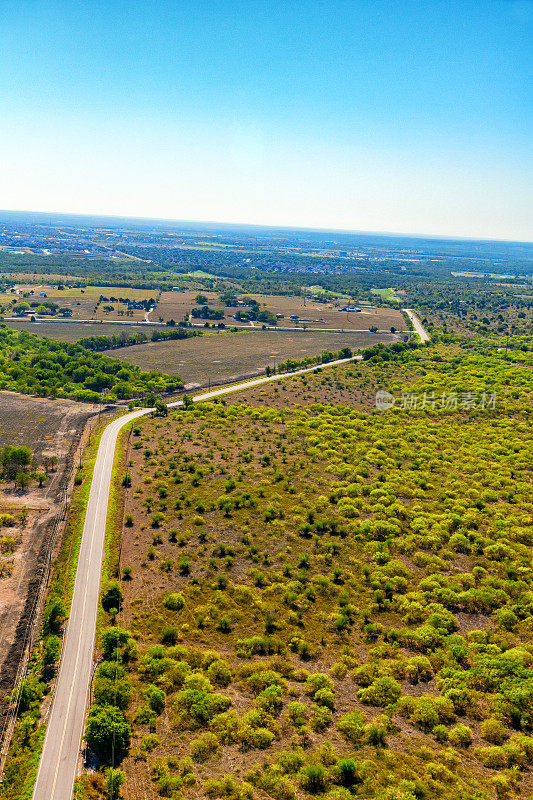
[(176, 305), (227, 356), (48, 428), (72, 331)]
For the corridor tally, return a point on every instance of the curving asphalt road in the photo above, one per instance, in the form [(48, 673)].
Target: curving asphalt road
[(61, 749)]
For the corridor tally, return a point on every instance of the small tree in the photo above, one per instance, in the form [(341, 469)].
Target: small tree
[(41, 477), (53, 616), (107, 731), (114, 778), (112, 597), (22, 480), (161, 408)]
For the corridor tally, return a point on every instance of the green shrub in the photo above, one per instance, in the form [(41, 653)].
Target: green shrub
[(112, 597), (460, 736), (290, 761), (381, 692), (319, 680), (174, 601), (225, 726), (321, 717), (219, 672), (492, 757), (347, 772), (112, 686), (263, 678), (169, 635), (156, 698), (351, 725), (204, 747), (493, 730), (254, 738), (313, 778), (440, 732), (51, 650), (297, 714), (325, 697)]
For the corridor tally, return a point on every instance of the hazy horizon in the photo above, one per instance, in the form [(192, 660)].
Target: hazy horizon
[(214, 224)]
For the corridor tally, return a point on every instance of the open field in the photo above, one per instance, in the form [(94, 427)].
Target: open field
[(72, 331), (387, 294), (227, 356), (87, 292), (84, 303), (176, 305), (311, 605), (49, 428)]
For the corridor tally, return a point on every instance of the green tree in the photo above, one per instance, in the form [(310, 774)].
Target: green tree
[(22, 480), (112, 597), (114, 778), (107, 731), (14, 460)]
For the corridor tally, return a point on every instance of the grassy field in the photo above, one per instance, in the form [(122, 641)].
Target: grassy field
[(227, 355), (386, 294), (326, 600)]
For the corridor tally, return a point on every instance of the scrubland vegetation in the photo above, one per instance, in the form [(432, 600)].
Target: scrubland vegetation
[(473, 307), (315, 598)]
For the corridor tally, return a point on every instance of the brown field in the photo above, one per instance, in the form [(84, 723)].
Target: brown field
[(84, 302), (88, 292), (48, 428), (72, 331), (228, 356), (176, 305)]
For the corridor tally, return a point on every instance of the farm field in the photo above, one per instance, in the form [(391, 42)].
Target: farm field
[(227, 356), (72, 331), (320, 599), (83, 302), (89, 292), (49, 428), (175, 305)]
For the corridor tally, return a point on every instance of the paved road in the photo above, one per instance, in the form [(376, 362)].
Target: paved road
[(61, 748), (417, 325)]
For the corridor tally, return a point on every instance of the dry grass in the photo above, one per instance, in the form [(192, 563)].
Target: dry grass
[(228, 356)]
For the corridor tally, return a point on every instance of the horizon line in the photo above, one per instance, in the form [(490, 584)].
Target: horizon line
[(308, 229)]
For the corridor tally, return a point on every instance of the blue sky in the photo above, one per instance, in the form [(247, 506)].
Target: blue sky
[(411, 116)]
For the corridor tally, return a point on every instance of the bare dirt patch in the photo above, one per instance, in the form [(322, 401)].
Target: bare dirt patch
[(48, 428), (230, 356)]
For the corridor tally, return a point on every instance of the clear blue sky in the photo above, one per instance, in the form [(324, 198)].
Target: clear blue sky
[(413, 116)]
